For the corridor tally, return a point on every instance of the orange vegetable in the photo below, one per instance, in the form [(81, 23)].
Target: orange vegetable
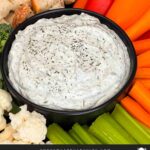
[(141, 94), (127, 12), (139, 27), (36, 6), (136, 110), (141, 46), (143, 60), (99, 6), (80, 4), (143, 73), (145, 36), (145, 82)]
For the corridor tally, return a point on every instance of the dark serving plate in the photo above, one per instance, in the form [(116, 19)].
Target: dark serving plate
[(67, 118)]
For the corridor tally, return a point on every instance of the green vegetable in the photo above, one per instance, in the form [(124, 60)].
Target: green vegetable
[(58, 136), (15, 108), (5, 30), (92, 136), (144, 127), (131, 125), (84, 135), (107, 130), (75, 137)]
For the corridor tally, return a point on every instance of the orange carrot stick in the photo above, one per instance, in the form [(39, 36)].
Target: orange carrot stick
[(139, 27), (141, 94), (143, 59), (136, 110), (141, 46), (127, 12), (145, 82), (143, 73), (80, 4)]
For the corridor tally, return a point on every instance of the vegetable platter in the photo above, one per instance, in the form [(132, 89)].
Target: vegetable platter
[(127, 123)]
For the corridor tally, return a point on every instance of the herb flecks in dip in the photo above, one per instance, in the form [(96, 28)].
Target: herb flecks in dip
[(68, 63)]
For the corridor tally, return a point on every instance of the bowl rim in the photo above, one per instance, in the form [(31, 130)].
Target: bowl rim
[(9, 42)]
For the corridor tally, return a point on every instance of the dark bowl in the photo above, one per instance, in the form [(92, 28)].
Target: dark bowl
[(67, 118)]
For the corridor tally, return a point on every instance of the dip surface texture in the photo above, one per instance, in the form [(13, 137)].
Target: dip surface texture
[(68, 63)]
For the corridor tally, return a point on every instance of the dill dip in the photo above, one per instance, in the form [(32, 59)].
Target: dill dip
[(68, 63)]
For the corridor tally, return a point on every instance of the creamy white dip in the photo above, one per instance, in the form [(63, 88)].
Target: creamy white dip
[(68, 63)]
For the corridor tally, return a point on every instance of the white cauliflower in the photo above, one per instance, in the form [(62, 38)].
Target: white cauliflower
[(5, 105), (7, 134), (25, 127), (2, 120), (5, 100), (2, 123), (29, 127)]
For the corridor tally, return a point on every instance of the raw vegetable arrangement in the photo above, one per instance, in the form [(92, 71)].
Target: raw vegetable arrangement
[(128, 123)]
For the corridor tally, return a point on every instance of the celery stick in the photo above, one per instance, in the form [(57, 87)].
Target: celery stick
[(130, 125), (75, 137), (147, 129), (92, 136), (58, 136), (107, 130), (83, 134)]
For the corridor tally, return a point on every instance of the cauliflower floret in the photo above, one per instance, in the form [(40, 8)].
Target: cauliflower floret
[(2, 120), (5, 105), (5, 100), (2, 123), (19, 118), (29, 127), (7, 134)]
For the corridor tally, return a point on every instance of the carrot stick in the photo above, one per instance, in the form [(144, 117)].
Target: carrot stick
[(127, 12), (145, 82), (145, 36), (36, 6), (80, 4), (99, 6), (143, 60), (136, 110), (140, 27), (143, 73), (141, 46), (141, 94)]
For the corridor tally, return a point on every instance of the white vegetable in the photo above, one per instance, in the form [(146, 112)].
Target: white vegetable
[(29, 127), (18, 119), (7, 134), (24, 128), (5, 105), (2, 123), (5, 100)]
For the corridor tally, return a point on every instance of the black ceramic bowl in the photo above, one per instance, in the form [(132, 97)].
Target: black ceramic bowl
[(66, 118)]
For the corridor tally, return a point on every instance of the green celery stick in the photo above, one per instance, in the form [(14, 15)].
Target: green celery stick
[(95, 139), (147, 129), (92, 136), (107, 130), (83, 134), (75, 137), (130, 125), (58, 136)]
